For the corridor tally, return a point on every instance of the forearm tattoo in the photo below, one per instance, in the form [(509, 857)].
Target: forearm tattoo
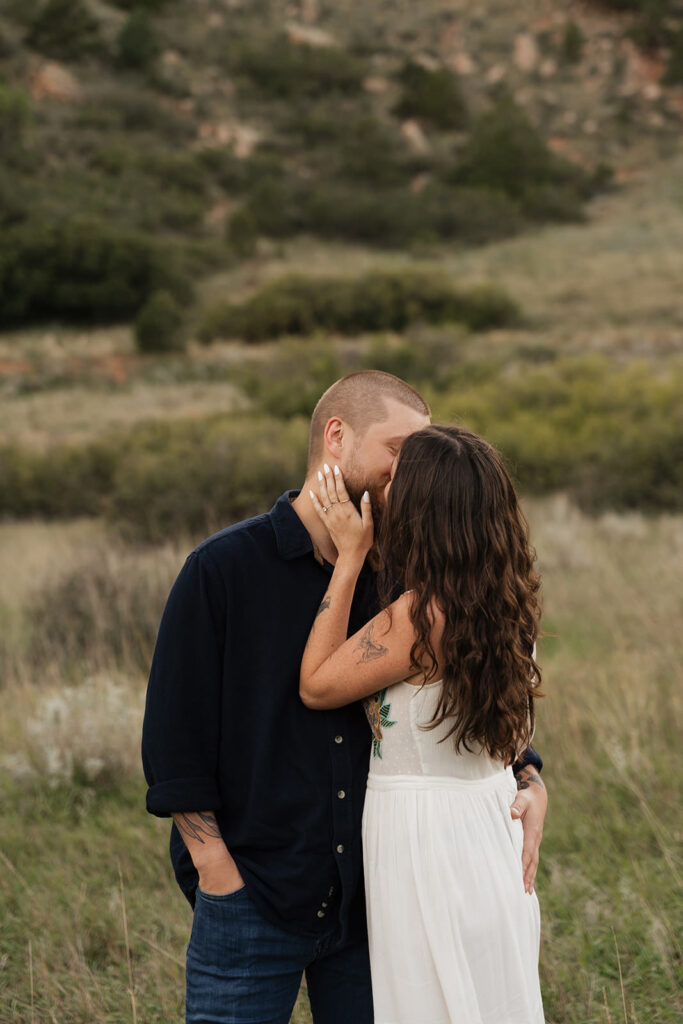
[(369, 647), (525, 776), (326, 602), (206, 826)]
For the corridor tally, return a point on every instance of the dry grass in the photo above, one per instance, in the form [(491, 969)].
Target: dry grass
[(609, 730)]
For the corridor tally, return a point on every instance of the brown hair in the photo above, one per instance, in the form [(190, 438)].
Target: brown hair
[(358, 399), (453, 532)]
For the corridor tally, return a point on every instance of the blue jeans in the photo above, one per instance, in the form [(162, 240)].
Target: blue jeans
[(243, 970)]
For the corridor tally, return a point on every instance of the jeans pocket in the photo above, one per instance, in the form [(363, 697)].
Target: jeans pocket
[(221, 897)]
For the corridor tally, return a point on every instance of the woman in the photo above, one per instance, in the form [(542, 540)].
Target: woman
[(454, 936)]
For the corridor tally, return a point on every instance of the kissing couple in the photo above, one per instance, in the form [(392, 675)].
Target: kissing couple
[(339, 719)]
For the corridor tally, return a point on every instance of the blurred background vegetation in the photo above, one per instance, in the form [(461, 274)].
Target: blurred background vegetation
[(211, 210)]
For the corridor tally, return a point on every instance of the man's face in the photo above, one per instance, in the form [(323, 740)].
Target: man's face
[(369, 462)]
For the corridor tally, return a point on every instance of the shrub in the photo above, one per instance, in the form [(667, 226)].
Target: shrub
[(199, 475), (371, 153), (67, 481), (610, 436), (673, 74), (286, 70), (504, 152), (314, 366), (82, 271), (387, 217), (379, 301), (432, 96), (242, 232), (571, 46), (138, 46), (160, 478), (158, 327), (133, 112), (14, 117), (64, 29), (14, 199)]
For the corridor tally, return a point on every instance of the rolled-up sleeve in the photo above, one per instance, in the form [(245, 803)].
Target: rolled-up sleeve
[(181, 727)]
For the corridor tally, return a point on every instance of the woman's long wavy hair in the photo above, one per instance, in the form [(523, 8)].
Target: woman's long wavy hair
[(453, 531)]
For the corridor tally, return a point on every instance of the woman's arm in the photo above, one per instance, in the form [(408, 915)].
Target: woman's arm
[(336, 671)]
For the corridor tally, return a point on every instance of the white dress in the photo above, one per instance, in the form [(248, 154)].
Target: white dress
[(454, 938)]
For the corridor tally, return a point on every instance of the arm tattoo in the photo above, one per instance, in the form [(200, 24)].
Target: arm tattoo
[(206, 826), (325, 604), (527, 775), (369, 647)]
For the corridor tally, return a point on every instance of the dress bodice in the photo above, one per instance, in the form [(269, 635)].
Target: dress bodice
[(401, 746)]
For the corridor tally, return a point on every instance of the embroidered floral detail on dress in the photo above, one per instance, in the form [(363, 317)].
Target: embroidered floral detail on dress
[(377, 712)]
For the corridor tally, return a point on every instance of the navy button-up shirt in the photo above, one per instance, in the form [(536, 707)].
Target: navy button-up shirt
[(225, 729)]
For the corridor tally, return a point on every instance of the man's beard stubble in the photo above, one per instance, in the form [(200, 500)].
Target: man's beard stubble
[(356, 485)]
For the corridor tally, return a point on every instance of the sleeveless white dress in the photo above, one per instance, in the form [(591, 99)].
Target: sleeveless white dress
[(454, 938)]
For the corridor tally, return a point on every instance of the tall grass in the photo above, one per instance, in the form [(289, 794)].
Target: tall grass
[(609, 732)]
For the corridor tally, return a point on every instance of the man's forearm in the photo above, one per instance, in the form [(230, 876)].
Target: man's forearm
[(212, 859), (528, 776)]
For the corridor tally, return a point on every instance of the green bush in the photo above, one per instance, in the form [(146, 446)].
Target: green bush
[(14, 118), (15, 200), (199, 475), (158, 326), (379, 301), (504, 152), (143, 5), (82, 271), (133, 112), (432, 96), (673, 74), (610, 436), (160, 478), (383, 217), (65, 29), (67, 481), (138, 46), (571, 46), (285, 70), (370, 153), (242, 233), (313, 365)]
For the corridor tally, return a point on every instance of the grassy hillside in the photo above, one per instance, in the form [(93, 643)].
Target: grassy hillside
[(143, 148), (487, 201)]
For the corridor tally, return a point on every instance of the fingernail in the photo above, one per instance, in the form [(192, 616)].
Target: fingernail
[(312, 495), (336, 470), (320, 476), (326, 468), (366, 497)]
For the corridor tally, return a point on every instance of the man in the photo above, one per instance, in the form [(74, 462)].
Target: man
[(267, 795)]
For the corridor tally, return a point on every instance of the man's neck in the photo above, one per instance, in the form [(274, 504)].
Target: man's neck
[(303, 506)]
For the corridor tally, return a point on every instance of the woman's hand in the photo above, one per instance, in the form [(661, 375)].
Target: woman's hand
[(351, 534)]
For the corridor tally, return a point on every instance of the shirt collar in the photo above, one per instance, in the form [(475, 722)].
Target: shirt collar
[(292, 538)]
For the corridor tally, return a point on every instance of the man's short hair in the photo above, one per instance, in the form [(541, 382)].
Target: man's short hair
[(358, 399)]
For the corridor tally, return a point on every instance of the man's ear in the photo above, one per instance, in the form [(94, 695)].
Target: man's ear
[(333, 436)]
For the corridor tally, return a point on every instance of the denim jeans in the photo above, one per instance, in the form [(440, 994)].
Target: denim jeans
[(241, 969)]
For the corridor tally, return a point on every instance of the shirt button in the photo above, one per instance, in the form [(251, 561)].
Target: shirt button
[(338, 739), (341, 794), (340, 848), (324, 904), (321, 913), (331, 892)]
